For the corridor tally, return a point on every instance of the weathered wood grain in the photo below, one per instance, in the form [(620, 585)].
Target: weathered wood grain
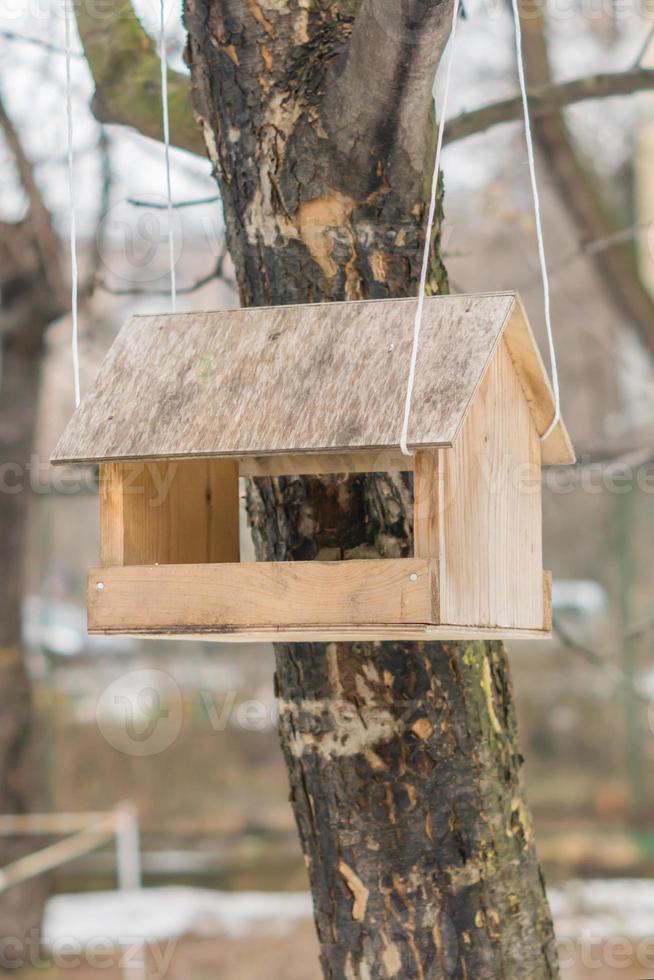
[(177, 512), (428, 503), (222, 598), (547, 602), (377, 461), (301, 379), (557, 449), (335, 634), (284, 602), (491, 552), (112, 514)]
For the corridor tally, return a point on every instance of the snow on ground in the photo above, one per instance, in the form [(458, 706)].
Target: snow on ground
[(601, 908), (605, 908), (169, 913)]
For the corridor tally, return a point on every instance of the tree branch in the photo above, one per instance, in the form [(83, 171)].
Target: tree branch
[(549, 99), (391, 60), (126, 70), (39, 216), (163, 206), (615, 674), (644, 48), (37, 42), (125, 67), (217, 273), (579, 187)]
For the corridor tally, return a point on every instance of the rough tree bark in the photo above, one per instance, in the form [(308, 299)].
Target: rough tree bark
[(403, 759)]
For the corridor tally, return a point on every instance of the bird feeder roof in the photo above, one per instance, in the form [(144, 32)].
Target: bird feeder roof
[(320, 378)]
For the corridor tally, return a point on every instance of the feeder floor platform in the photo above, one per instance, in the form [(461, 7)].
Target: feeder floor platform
[(340, 601)]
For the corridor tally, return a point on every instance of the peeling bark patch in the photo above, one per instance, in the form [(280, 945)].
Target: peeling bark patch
[(423, 728), (260, 18), (301, 28), (487, 688), (280, 6), (317, 220), (391, 959), (520, 821), (212, 147), (337, 728), (378, 266), (374, 761), (359, 891), (266, 56), (333, 671), (232, 54), (468, 875), (362, 972)]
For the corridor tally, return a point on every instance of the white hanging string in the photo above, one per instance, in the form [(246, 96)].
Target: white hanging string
[(539, 224), (430, 228), (72, 213), (430, 225), (166, 130)]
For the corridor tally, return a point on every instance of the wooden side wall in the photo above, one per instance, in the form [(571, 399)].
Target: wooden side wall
[(174, 512), (491, 513)]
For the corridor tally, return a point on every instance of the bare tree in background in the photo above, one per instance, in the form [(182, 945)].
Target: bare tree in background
[(33, 294)]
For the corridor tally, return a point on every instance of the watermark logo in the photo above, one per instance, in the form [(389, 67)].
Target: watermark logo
[(140, 239), (141, 713), (598, 952)]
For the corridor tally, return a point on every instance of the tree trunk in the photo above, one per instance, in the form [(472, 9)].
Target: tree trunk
[(20, 906), (402, 758), (29, 303)]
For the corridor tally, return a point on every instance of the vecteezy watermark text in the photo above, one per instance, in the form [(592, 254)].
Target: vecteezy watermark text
[(128, 953), (154, 480)]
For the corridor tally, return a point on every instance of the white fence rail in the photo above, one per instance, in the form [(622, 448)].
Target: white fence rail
[(85, 832)]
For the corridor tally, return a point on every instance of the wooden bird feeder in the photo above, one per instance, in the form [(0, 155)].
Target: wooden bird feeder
[(184, 403)]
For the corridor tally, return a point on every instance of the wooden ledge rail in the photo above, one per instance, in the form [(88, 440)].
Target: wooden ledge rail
[(390, 599), (218, 597)]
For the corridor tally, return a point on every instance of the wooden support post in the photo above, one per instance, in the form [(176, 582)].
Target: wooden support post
[(112, 514), (427, 518), (169, 512), (427, 504)]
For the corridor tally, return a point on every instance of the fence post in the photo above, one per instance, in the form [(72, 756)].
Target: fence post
[(128, 870)]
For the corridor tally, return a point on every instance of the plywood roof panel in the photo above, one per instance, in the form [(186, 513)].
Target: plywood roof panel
[(300, 379)]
